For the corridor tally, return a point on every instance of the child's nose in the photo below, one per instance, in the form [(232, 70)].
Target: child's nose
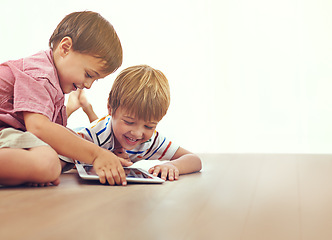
[(88, 84), (138, 133)]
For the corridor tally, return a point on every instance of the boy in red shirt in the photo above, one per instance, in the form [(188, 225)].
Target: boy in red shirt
[(83, 48)]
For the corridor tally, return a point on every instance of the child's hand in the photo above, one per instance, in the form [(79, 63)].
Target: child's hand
[(109, 167), (166, 170)]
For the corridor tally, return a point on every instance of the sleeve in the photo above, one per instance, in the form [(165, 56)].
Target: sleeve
[(85, 133), (33, 94), (99, 132)]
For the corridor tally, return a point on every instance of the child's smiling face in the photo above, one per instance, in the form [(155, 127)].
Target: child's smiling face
[(130, 131), (76, 70)]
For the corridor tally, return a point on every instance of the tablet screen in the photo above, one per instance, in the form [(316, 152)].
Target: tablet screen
[(130, 172)]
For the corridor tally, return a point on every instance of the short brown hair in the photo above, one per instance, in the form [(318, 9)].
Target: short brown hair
[(143, 91), (91, 34)]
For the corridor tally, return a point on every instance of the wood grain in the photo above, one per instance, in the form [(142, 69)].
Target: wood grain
[(235, 196)]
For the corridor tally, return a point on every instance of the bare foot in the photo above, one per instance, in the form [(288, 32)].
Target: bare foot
[(84, 103), (56, 182), (73, 102)]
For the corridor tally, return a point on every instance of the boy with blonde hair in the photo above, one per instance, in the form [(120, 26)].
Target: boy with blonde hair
[(139, 99), (83, 48)]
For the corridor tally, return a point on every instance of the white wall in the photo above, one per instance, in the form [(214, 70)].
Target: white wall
[(245, 76)]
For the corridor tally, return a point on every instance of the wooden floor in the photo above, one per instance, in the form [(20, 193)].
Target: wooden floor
[(235, 196)]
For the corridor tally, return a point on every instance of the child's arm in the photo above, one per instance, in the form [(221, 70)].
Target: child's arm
[(64, 142), (182, 162)]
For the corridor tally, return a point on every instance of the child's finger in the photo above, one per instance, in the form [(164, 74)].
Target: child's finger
[(156, 171), (110, 178), (125, 163), (101, 174), (123, 179), (170, 174), (151, 170), (164, 172), (116, 176), (176, 174)]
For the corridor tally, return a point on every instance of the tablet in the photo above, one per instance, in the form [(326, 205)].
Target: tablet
[(133, 175)]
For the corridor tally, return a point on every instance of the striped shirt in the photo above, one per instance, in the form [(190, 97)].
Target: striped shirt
[(157, 147)]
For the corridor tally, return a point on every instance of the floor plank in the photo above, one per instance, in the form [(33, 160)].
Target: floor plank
[(234, 197)]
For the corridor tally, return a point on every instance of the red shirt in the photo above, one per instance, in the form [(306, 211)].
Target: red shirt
[(30, 85)]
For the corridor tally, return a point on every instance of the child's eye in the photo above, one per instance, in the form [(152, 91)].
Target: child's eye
[(88, 75), (148, 127), (127, 122)]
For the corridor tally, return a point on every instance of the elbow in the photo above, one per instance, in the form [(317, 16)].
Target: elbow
[(196, 163), (36, 129), (199, 164)]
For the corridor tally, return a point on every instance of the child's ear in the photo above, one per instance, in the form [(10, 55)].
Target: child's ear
[(65, 46), (109, 110)]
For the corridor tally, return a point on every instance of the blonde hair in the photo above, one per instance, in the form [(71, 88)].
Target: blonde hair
[(143, 91), (91, 34)]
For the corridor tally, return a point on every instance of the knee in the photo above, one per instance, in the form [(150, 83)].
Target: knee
[(47, 165)]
